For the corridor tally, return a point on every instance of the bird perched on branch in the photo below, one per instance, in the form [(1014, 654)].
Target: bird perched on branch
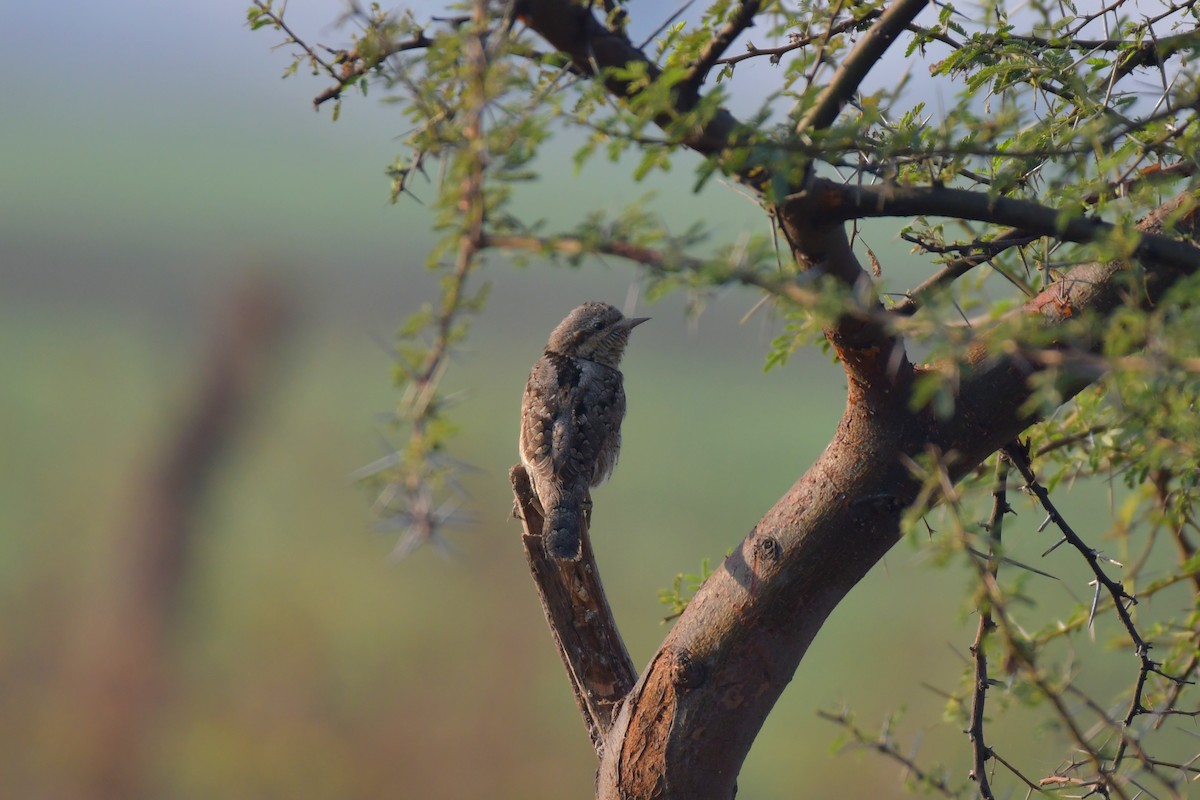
[(571, 418)]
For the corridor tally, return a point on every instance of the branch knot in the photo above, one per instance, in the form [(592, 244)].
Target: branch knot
[(687, 672)]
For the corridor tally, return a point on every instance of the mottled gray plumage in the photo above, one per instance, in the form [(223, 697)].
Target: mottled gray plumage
[(571, 418)]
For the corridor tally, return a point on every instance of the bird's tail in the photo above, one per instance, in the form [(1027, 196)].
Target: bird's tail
[(561, 531)]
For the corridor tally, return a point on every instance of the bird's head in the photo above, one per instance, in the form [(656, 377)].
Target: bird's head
[(594, 331)]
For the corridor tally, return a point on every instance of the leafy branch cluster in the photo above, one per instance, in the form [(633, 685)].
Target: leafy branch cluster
[(474, 118), (1082, 163), (683, 587), (381, 35), (1045, 175)]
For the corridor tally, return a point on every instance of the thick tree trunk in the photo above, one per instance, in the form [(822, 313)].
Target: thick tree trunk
[(693, 716)]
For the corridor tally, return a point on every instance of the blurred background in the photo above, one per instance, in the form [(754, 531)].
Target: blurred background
[(180, 232)]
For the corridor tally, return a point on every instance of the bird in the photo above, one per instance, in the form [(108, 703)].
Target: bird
[(571, 415)]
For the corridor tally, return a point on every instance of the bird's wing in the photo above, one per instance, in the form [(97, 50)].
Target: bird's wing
[(570, 426), (538, 411), (586, 429)]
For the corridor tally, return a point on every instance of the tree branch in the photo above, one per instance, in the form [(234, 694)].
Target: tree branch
[(827, 201), (981, 753), (797, 41), (573, 30), (872, 354), (353, 64), (885, 746), (960, 266), (1149, 52), (1122, 600), (662, 262), (861, 335), (859, 63), (582, 624), (346, 66), (734, 649), (741, 19)]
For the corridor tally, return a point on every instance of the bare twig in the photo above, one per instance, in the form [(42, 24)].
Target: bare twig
[(981, 753), (658, 260), (798, 41), (885, 745), (1067, 441), (952, 271)]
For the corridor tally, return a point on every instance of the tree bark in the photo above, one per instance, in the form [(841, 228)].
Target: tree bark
[(582, 624)]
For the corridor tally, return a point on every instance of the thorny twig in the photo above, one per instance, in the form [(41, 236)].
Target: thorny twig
[(885, 745), (346, 67), (1122, 601), (406, 501), (979, 748)]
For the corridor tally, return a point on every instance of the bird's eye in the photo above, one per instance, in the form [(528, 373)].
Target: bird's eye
[(597, 324)]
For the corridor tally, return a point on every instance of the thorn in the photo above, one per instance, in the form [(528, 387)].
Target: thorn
[(1095, 603), (1055, 546)]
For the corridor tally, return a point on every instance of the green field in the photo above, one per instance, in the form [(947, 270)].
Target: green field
[(301, 662), (305, 663)]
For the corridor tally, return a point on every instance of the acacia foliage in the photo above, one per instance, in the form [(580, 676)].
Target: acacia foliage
[(1008, 143)]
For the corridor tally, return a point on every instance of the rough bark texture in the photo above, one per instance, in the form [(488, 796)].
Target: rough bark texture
[(580, 620), (705, 695)]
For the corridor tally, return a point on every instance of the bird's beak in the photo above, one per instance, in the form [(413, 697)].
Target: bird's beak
[(633, 322)]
